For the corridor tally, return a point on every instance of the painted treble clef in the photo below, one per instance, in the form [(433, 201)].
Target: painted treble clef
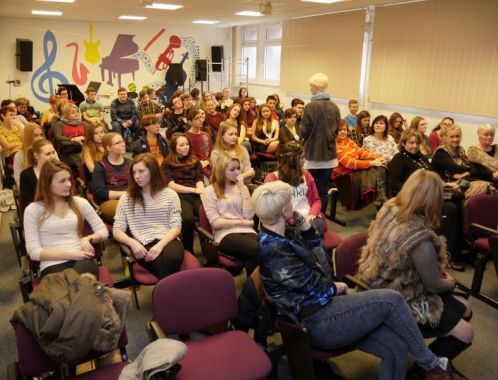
[(44, 76)]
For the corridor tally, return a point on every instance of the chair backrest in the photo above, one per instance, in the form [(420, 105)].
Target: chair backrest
[(203, 220), (193, 300), (481, 209), (347, 255)]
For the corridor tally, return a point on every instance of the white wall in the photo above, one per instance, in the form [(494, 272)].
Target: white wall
[(196, 40)]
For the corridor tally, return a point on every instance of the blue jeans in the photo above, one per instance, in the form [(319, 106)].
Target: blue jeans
[(376, 321)]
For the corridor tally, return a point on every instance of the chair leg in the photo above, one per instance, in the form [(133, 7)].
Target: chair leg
[(334, 194), (480, 267), (133, 284)]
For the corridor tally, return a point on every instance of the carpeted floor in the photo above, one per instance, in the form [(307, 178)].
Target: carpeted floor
[(478, 362)]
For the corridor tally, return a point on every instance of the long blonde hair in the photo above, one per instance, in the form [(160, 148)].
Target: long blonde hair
[(217, 178), (89, 144), (221, 147), (28, 140), (422, 195), (424, 148), (45, 196)]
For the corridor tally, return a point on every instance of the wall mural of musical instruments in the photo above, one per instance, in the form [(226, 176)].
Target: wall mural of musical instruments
[(115, 67)]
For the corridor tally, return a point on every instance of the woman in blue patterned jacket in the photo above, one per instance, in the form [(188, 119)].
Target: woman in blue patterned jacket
[(297, 280)]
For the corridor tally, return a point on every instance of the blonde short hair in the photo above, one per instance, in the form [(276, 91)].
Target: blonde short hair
[(447, 130), (319, 80), (485, 128), (269, 200)]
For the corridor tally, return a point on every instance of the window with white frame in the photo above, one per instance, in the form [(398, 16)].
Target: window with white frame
[(261, 44)]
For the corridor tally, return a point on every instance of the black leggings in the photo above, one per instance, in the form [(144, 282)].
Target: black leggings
[(168, 262), (190, 208), (82, 266), (244, 247)]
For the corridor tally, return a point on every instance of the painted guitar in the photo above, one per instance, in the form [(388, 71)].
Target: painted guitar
[(171, 84), (92, 53)]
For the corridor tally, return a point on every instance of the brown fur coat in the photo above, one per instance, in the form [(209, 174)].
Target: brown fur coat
[(385, 261)]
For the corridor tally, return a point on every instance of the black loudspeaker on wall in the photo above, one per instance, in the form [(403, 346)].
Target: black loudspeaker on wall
[(24, 55), (201, 70), (216, 57)]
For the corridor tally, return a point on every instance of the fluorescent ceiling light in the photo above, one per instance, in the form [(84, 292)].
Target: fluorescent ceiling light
[(249, 13), (59, 1), (47, 13), (207, 22), (169, 7), (128, 17), (322, 1)]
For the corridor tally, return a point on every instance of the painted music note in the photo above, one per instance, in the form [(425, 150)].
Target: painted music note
[(146, 60), (92, 54), (167, 55), (80, 77), (44, 76)]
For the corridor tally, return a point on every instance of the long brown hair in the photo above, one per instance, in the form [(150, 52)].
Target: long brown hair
[(361, 115), (174, 158), (260, 123), (28, 140), (44, 194), (157, 181), (289, 167), (35, 148), (217, 178), (220, 143), (89, 144), (424, 147)]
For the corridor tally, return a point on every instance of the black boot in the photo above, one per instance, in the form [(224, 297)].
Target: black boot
[(448, 347)]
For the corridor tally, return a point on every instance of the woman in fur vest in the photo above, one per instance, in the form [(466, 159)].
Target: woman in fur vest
[(403, 253)]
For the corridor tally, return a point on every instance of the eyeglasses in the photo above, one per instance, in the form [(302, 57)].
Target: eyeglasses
[(118, 142)]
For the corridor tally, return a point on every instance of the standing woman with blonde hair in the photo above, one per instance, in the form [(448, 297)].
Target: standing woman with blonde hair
[(54, 224), (227, 203), (403, 253), (151, 212), (32, 133)]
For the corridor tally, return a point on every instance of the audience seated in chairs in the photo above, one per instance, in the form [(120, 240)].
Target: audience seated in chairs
[(93, 149), (298, 283), (406, 162), (265, 131), (40, 152), (32, 132), (368, 167), (54, 224), (228, 208), (151, 140), (452, 164), (183, 173), (200, 141), (227, 142), (403, 253), (110, 176), (378, 141), (151, 212), (69, 135)]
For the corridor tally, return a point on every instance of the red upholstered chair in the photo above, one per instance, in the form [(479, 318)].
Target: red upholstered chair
[(197, 300), (480, 228), (33, 361), (347, 255), (141, 276), (210, 250)]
